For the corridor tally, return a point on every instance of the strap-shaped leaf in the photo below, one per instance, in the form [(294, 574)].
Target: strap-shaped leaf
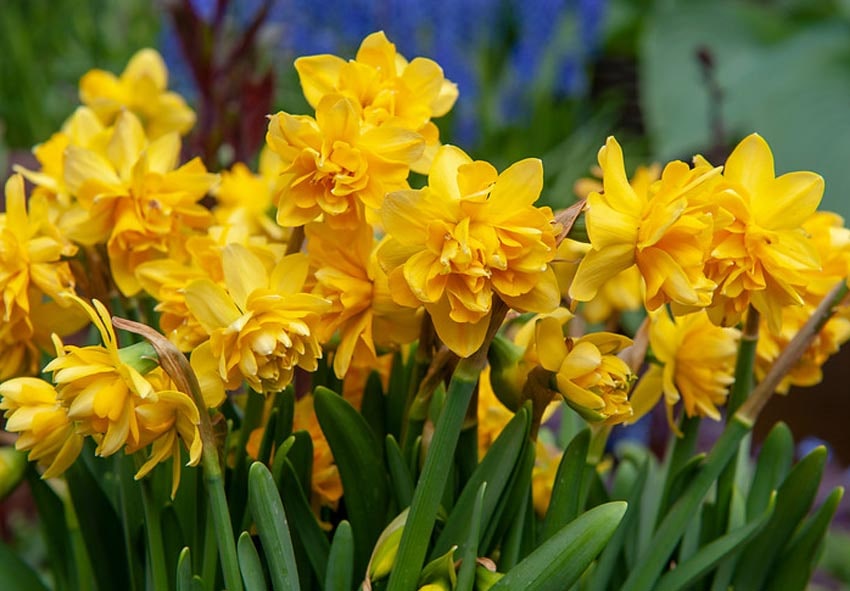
[(559, 562), (402, 481), (340, 559), (249, 564), (793, 501), (774, 462), (16, 574), (495, 469), (360, 460), (304, 522), (270, 519), (566, 490), (469, 553)]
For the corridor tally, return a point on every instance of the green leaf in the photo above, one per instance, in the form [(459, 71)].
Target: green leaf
[(301, 457), (99, 525), (691, 570), (469, 552), (249, 564), (281, 458), (184, 570), (566, 489), (512, 501), (266, 507), (495, 469), (372, 406), (16, 574), (774, 462), (793, 500), (310, 533), (340, 559), (360, 460), (397, 390), (285, 405), (54, 528), (800, 556), (402, 481), (559, 562)]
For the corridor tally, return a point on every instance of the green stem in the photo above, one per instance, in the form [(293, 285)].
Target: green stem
[(681, 450), (125, 484), (438, 463), (156, 550), (741, 388)]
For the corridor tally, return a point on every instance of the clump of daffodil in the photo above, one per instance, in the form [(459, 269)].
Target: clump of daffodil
[(34, 412), (336, 165), (141, 88), (472, 233), (261, 325), (245, 199), (362, 310), (166, 279), (763, 256), (386, 86), (586, 370), (134, 197), (696, 364), (109, 398), (831, 240), (650, 225)]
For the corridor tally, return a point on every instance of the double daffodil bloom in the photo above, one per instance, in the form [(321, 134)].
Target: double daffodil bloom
[(652, 226), (362, 311), (764, 256), (41, 421), (696, 365), (141, 88), (336, 165), (261, 326), (386, 86), (587, 372), (470, 233)]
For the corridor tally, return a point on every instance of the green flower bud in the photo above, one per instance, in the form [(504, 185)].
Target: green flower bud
[(507, 371)]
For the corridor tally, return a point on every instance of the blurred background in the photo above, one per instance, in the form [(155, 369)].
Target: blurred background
[(545, 78)]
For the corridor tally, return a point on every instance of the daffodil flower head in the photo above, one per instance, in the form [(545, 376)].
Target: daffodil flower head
[(764, 256), (142, 88), (587, 372), (649, 225), (470, 234), (33, 410), (261, 325), (336, 165), (696, 364)]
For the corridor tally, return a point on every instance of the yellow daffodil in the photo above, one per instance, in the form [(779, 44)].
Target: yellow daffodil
[(763, 257), (19, 355), (142, 89), (335, 164), (649, 225), (44, 430), (469, 234), (697, 364), (134, 198), (386, 86), (261, 327), (587, 372), (109, 399), (362, 310)]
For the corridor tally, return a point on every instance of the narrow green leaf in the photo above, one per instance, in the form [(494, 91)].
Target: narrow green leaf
[(657, 553), (691, 570), (774, 462), (608, 564), (402, 481), (267, 442), (360, 459), (397, 390), (566, 488), (310, 533), (285, 405), (469, 552), (800, 556), (793, 500), (280, 458), (237, 492), (559, 562), (266, 507), (495, 469), (372, 405), (51, 513), (184, 570), (16, 574), (99, 525), (511, 501), (679, 482), (340, 559), (249, 564), (301, 457), (511, 544)]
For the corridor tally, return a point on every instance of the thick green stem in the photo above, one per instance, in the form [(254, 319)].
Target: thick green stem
[(432, 483), (156, 550)]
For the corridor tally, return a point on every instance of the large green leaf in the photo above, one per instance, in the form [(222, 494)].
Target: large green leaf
[(559, 562), (789, 85), (16, 574)]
